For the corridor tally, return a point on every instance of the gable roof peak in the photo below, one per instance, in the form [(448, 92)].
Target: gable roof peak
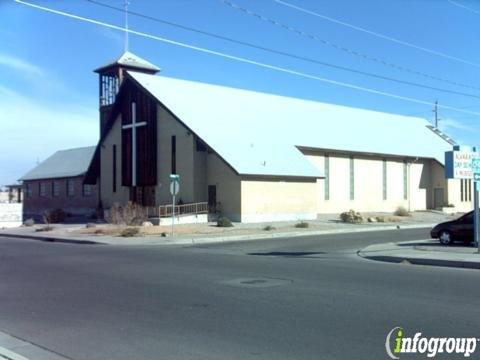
[(132, 62)]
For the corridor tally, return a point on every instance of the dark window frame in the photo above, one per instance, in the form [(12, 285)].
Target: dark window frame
[(70, 188), (174, 154), (114, 163)]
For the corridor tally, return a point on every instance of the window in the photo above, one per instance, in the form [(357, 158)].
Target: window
[(43, 189), (55, 188), (327, 177), (405, 181), (70, 187), (114, 170), (469, 190), (465, 190), (384, 179), (87, 190), (29, 191), (352, 179), (174, 154), (462, 190)]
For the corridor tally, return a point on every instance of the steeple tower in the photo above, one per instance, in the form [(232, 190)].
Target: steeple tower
[(111, 76)]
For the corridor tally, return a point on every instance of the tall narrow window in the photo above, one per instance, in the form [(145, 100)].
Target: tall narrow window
[(327, 177), (384, 179), (29, 190), (174, 154), (405, 181), (70, 187), (352, 179), (43, 189), (114, 170), (56, 188), (469, 190)]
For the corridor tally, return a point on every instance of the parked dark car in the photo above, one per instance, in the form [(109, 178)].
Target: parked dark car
[(460, 229)]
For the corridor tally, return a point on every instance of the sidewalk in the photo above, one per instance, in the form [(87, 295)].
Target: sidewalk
[(13, 348), (209, 233), (424, 252)]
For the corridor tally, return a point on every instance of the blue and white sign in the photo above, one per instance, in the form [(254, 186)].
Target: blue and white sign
[(459, 163), (476, 165)]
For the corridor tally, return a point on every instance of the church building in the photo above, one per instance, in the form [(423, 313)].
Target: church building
[(260, 157)]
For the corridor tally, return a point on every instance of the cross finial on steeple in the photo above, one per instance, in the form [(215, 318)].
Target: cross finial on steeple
[(125, 7)]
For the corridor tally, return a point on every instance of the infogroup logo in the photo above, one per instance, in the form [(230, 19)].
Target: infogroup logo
[(397, 343)]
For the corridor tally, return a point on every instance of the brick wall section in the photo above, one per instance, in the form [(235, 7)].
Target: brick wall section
[(77, 205)]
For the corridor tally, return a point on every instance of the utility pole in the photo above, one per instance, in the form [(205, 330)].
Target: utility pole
[(435, 111)]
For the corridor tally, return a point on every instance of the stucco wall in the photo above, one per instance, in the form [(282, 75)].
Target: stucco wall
[(122, 195), (185, 148), (368, 183), (278, 200), (10, 215), (228, 187), (455, 198), (419, 185)]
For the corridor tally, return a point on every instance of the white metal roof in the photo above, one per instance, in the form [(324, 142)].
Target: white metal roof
[(132, 60), (258, 133), (64, 163)]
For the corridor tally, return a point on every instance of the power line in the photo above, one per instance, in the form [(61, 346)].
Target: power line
[(464, 7), (242, 59), (343, 48), (373, 33), (283, 53)]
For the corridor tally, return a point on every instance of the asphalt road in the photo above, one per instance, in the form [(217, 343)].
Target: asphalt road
[(301, 298)]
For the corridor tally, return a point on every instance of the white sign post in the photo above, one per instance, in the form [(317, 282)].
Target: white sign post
[(174, 189)]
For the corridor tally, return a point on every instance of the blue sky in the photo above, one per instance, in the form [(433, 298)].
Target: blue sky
[(49, 94)]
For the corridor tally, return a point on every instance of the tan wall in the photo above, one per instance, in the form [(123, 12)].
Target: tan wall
[(455, 198), (278, 200), (452, 190), (368, 183), (419, 187), (122, 195), (228, 187), (190, 163)]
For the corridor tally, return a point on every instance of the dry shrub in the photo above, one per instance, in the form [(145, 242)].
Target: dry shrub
[(224, 222), (302, 225), (401, 211), (54, 216), (130, 232), (351, 217), (29, 222), (130, 214)]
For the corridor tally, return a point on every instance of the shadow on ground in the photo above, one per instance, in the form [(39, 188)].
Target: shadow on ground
[(309, 254), (437, 244)]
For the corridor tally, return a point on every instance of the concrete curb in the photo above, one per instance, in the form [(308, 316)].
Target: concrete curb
[(390, 252), (262, 236), (150, 240), (14, 348), (52, 239)]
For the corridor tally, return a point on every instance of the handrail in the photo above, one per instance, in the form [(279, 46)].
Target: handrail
[(184, 209)]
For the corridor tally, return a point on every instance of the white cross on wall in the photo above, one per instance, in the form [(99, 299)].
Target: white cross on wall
[(134, 125)]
